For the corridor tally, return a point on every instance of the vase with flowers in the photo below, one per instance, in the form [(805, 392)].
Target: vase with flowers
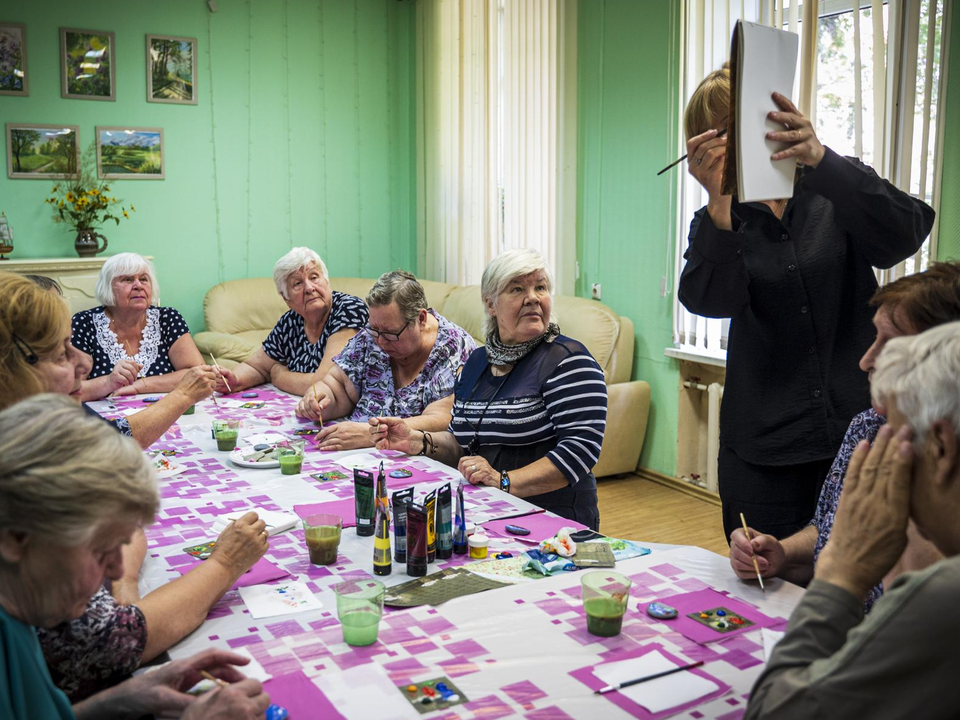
[(85, 203)]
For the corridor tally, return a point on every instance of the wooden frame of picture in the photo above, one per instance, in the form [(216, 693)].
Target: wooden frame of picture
[(87, 83), (130, 153), (177, 85), (11, 66), (57, 164)]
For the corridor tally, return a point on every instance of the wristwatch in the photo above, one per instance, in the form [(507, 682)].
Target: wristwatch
[(505, 482)]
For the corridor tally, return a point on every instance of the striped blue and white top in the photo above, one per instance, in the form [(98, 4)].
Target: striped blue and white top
[(553, 403)]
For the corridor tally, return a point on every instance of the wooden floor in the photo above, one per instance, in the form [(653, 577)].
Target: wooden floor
[(634, 508)]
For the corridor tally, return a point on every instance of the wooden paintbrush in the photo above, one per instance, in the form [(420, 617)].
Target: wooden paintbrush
[(756, 566)]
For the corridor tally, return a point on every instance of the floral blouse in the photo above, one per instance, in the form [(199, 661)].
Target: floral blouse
[(368, 368)]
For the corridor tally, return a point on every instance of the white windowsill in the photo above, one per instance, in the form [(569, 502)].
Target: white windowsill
[(698, 356)]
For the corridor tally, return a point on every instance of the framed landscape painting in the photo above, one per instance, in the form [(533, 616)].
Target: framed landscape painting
[(13, 60), (171, 69), (87, 60), (128, 153), (42, 152)]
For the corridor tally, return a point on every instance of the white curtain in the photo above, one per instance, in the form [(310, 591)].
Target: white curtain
[(490, 133)]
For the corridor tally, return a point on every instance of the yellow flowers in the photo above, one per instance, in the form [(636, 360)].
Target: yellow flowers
[(83, 200), (125, 214), (71, 197)]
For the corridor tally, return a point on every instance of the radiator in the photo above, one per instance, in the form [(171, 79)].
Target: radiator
[(709, 440)]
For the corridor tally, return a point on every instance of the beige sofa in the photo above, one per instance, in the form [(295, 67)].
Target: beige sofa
[(240, 313)]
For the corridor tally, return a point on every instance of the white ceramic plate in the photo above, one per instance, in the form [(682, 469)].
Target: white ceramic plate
[(236, 457)]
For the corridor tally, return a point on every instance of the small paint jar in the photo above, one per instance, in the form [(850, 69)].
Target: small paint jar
[(478, 543)]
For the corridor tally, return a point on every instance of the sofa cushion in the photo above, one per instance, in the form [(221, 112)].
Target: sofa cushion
[(238, 306)]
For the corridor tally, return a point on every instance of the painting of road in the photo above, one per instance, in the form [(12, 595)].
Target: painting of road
[(172, 69), (41, 151)]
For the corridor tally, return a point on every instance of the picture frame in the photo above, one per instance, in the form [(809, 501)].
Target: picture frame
[(83, 54), (14, 78), (42, 152), (130, 153), (171, 69)]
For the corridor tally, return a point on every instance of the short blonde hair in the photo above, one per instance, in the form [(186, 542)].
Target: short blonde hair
[(505, 267), (63, 485), (31, 320), (125, 264), (298, 257), (709, 103)]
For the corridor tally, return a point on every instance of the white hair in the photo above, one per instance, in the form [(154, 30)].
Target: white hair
[(921, 373), (63, 485), (125, 264), (297, 258), (504, 268)]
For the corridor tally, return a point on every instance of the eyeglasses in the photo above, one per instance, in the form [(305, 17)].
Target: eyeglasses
[(28, 354), (390, 336)]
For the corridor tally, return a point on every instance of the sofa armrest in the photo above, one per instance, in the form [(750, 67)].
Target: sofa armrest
[(224, 347), (628, 409)]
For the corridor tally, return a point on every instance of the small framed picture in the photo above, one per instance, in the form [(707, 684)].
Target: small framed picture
[(87, 60), (42, 152), (13, 60), (171, 69), (129, 153)]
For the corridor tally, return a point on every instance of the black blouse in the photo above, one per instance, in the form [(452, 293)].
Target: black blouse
[(797, 292)]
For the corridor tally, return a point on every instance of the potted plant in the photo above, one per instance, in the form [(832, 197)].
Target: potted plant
[(85, 203)]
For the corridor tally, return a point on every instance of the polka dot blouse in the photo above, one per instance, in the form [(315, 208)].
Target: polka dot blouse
[(92, 334)]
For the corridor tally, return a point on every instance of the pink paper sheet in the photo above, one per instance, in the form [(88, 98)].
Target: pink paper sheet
[(540, 525), (686, 603), (300, 697), (262, 571), (586, 676), (346, 509)]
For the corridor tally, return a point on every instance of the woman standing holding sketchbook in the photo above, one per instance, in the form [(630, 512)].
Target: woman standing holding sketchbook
[(795, 277)]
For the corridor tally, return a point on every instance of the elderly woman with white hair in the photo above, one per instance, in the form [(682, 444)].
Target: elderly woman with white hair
[(900, 661), (136, 345), (69, 502), (301, 347), (529, 409)]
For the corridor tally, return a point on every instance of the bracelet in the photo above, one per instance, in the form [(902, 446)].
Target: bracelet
[(427, 441)]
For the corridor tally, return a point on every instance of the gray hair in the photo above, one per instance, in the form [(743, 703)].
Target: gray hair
[(920, 373), (297, 258), (64, 473), (505, 267), (402, 288), (125, 264), (45, 283)]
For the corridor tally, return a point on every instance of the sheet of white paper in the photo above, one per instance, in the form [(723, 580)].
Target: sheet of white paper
[(267, 438), (768, 63), (364, 461), (282, 599), (770, 640), (366, 691), (277, 522), (655, 695)]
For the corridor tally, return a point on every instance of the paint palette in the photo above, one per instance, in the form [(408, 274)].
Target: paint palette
[(430, 695), (720, 619), (328, 475), (200, 551)]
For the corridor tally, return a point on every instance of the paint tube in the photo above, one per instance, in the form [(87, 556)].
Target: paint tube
[(363, 501), (382, 564), (444, 523), (416, 540), (400, 500), (460, 525), (430, 505)]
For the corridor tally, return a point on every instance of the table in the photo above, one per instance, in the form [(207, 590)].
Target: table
[(511, 651)]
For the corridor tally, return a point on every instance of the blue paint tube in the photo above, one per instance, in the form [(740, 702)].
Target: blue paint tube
[(460, 525), (444, 523), (416, 540), (400, 500)]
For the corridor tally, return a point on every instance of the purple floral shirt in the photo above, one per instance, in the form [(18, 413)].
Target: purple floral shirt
[(864, 426), (368, 368)]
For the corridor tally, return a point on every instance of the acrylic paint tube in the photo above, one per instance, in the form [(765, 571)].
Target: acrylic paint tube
[(430, 505), (363, 501), (400, 500), (382, 564), (444, 523), (416, 540), (460, 525), (381, 485)]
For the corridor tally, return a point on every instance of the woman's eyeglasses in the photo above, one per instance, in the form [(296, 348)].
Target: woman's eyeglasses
[(28, 354), (389, 336)]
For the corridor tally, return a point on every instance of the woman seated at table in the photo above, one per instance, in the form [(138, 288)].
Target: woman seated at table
[(301, 347), (69, 501), (529, 409), (136, 346), (112, 638), (404, 365)]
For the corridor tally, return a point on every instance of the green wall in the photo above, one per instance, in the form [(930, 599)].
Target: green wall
[(948, 240), (627, 84), (303, 135)]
